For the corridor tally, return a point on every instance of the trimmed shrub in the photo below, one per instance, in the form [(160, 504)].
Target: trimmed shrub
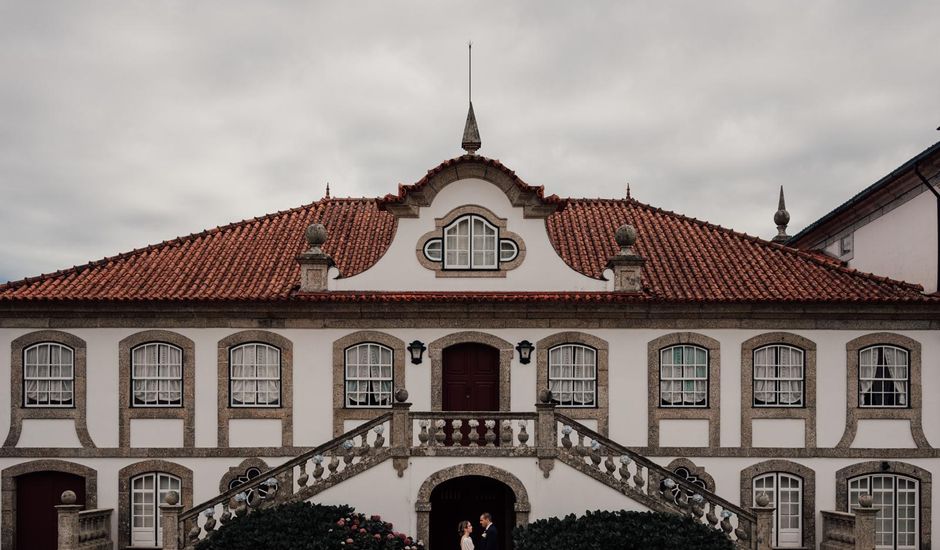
[(305, 526), (621, 530)]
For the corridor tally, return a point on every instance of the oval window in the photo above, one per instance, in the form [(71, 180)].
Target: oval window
[(508, 250), (432, 250)]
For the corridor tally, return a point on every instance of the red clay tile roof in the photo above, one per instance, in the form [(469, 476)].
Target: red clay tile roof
[(254, 260)]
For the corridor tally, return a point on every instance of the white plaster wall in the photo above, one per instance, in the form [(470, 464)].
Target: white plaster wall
[(254, 432), (48, 432), (682, 433), (156, 432), (778, 433), (542, 269), (901, 244), (6, 337), (884, 434)]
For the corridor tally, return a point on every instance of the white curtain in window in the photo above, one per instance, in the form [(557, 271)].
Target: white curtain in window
[(895, 361)]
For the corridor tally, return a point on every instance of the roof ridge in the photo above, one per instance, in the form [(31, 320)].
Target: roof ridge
[(9, 285), (757, 240)]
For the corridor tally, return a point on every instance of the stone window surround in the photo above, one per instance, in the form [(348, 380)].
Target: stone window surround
[(8, 491), (522, 506), (284, 412), (925, 487), (436, 356), (807, 412), (711, 413), (447, 219), (340, 413), (124, 490), (809, 491), (601, 411), (127, 411), (78, 412), (854, 412)]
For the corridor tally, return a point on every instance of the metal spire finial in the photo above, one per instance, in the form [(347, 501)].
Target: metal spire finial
[(781, 218), (628, 191), (471, 134), (327, 190)]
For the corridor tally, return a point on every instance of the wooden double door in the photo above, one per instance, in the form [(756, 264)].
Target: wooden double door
[(470, 382)]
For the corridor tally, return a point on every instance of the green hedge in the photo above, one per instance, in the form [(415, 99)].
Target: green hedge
[(619, 531), (305, 526)]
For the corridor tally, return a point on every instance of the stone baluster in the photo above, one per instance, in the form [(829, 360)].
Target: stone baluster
[(638, 480), (490, 435), (439, 435), (457, 435), (595, 453), (697, 508), (726, 522), (348, 454), (209, 525), (170, 510), (865, 523), (423, 436), (505, 433), (625, 468), (609, 465), (226, 512), (380, 437), (765, 522), (711, 517), (333, 465), (474, 433), (523, 436), (318, 467), (241, 504), (68, 521), (304, 477)]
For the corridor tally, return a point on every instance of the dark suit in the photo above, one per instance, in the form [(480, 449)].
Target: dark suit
[(491, 540)]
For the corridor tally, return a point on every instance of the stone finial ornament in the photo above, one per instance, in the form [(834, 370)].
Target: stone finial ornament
[(471, 134), (781, 218), (314, 263), (316, 236), (69, 498), (627, 265), (545, 396), (865, 501), (763, 500), (172, 498), (401, 395)]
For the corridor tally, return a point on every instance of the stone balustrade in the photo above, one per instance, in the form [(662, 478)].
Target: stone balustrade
[(478, 433), (649, 483), (296, 480), (847, 531), (82, 529)]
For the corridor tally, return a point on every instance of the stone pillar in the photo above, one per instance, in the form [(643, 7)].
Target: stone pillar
[(170, 511), (765, 522), (314, 263), (401, 437), (546, 434), (627, 265), (68, 521), (865, 524)]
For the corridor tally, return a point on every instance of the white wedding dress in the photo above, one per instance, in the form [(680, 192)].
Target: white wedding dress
[(466, 543)]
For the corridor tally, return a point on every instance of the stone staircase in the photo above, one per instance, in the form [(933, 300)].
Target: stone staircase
[(545, 434)]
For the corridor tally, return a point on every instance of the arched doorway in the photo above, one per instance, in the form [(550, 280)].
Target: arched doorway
[(466, 491), (30, 492), (466, 498)]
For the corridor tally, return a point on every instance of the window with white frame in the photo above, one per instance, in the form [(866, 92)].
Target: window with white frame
[(785, 492), (147, 492), (883, 377), (572, 375), (157, 375), (255, 375), (48, 375), (471, 242), (683, 376), (369, 376), (897, 500), (778, 376)]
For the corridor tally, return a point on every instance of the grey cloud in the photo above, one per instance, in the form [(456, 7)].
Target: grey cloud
[(127, 123)]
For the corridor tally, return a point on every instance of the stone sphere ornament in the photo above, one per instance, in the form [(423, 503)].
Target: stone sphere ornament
[(172, 498), (316, 235), (763, 500), (782, 217), (401, 395), (545, 396), (625, 236), (865, 501), (69, 498)]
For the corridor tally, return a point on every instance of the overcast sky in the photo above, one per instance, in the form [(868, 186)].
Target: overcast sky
[(130, 122)]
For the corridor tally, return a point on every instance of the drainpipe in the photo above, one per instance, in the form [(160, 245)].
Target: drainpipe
[(937, 196)]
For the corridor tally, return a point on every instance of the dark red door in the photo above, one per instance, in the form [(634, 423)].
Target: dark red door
[(470, 383), (37, 494)]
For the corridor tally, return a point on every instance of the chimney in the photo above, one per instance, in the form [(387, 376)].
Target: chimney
[(627, 265), (314, 263)]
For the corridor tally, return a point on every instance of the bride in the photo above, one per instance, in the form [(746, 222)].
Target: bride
[(464, 530)]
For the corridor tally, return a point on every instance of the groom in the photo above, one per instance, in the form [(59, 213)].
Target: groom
[(489, 540)]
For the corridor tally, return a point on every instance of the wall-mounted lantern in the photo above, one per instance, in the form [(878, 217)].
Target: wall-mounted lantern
[(416, 349), (525, 348)]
